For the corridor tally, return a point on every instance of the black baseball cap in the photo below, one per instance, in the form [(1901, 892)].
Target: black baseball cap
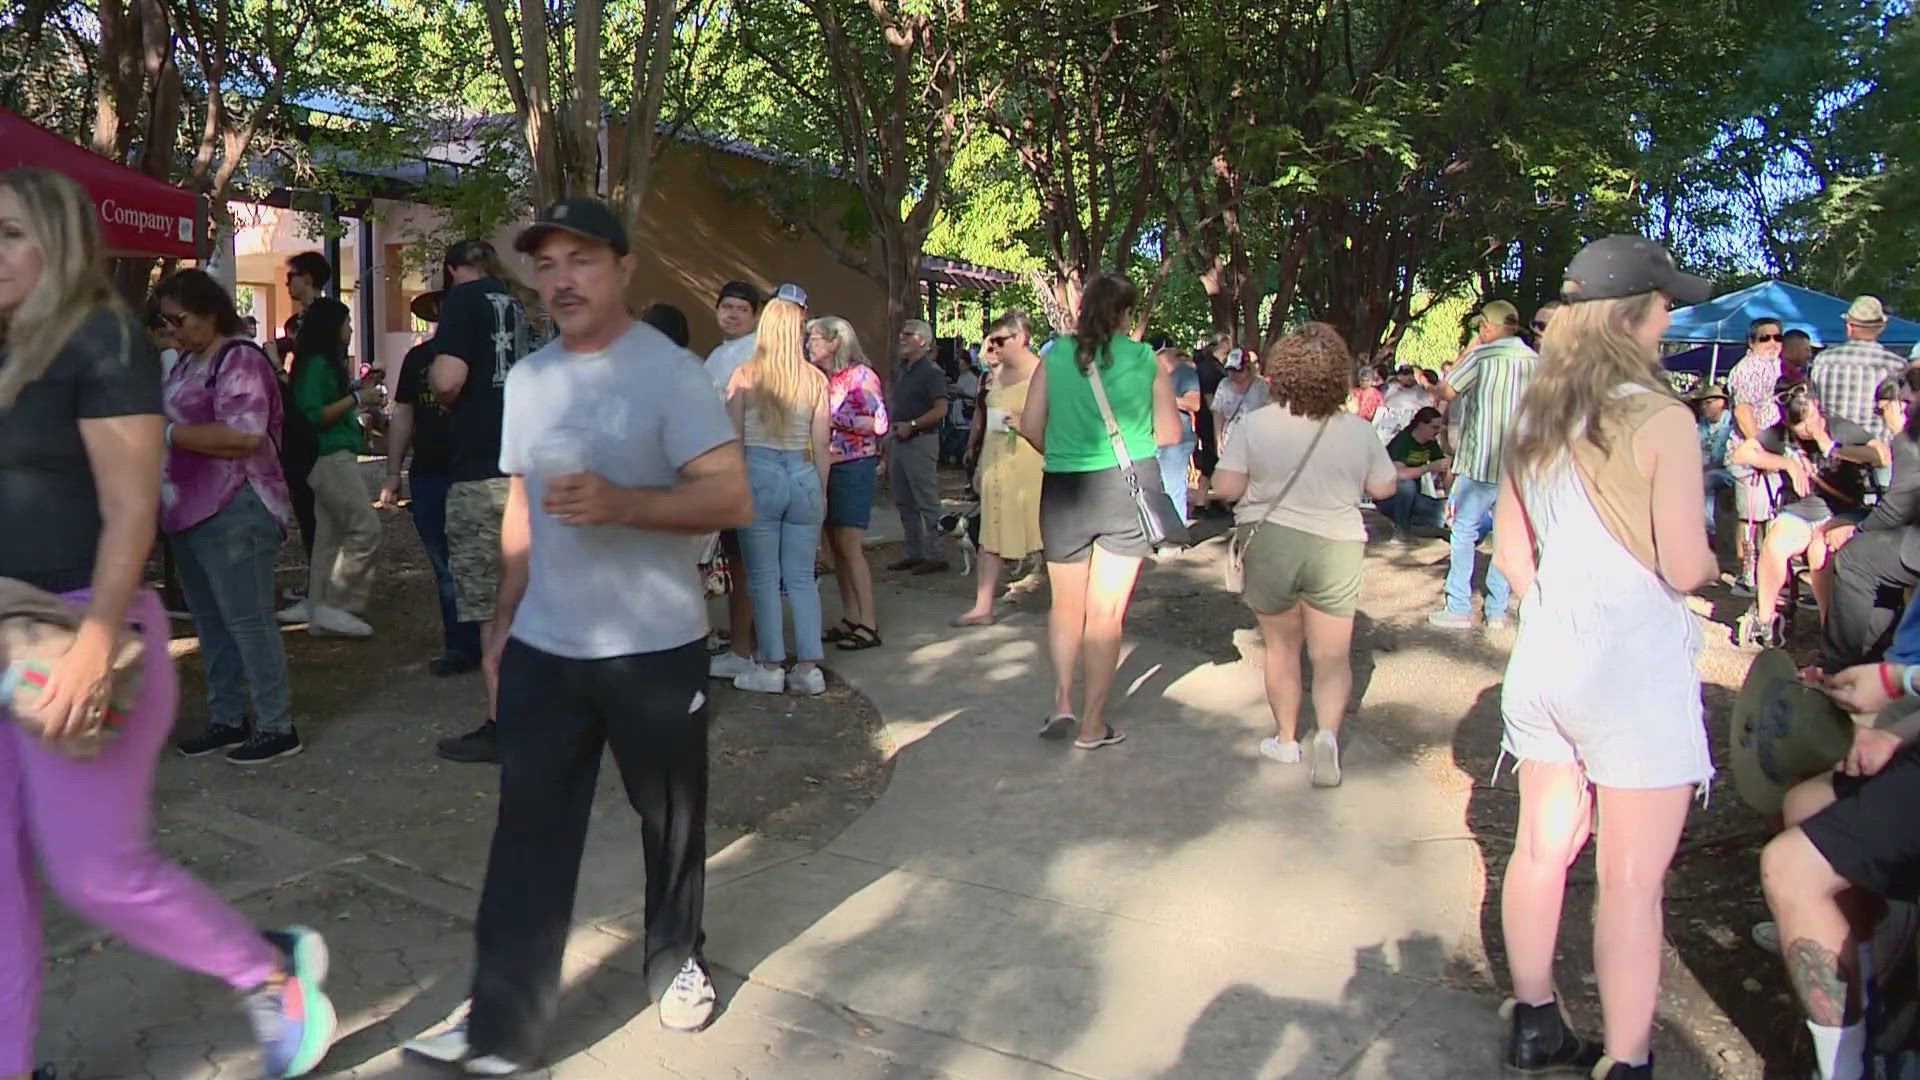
[(590, 218), (1622, 266)]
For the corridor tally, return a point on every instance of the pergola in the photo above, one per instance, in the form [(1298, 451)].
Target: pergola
[(936, 271)]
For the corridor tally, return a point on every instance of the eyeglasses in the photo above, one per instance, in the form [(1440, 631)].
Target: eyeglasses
[(1761, 339)]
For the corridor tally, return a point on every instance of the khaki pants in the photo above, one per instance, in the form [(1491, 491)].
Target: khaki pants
[(346, 534)]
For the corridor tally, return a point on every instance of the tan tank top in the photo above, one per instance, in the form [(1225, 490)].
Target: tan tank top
[(794, 432), (1620, 495)]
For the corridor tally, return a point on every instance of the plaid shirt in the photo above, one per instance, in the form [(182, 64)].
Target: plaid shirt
[(1845, 377)]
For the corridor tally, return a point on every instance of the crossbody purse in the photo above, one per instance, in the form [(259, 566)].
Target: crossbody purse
[(1242, 537), (1159, 518)]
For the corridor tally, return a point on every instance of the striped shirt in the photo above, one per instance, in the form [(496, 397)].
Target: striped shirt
[(1845, 377), (1490, 380)]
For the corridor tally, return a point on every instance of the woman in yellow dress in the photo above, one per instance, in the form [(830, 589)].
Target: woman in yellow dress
[(1010, 468)]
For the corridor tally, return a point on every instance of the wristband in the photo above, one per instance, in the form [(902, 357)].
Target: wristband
[(1906, 679), (168, 434), (1887, 682)]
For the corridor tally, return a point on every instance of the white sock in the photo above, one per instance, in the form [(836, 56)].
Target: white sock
[(1840, 1052)]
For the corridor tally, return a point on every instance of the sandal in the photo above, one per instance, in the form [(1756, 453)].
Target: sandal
[(860, 637), (839, 633), (1111, 737), (1057, 725)]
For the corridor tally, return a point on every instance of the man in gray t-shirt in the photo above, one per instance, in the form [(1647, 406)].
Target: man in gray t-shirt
[(918, 404), (620, 458)]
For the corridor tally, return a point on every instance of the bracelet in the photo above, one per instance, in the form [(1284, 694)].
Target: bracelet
[(168, 434), (1887, 682), (1906, 679)]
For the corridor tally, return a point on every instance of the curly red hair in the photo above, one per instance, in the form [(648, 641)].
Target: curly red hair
[(1309, 370)]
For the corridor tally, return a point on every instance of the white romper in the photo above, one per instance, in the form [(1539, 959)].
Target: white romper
[(1602, 671)]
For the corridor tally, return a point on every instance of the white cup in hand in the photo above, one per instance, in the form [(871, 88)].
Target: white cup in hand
[(562, 453)]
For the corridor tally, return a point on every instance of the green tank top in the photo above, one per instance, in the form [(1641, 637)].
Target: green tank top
[(1076, 435)]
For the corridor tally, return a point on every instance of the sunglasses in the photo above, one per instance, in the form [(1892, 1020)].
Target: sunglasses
[(1761, 339), (175, 321), (1540, 324), (1000, 341)]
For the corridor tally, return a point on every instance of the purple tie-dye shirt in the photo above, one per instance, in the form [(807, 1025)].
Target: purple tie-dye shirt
[(245, 396)]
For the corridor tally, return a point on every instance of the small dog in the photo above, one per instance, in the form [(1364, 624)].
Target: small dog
[(964, 527)]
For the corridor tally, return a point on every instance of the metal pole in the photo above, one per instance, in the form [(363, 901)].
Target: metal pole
[(330, 247), (369, 353)]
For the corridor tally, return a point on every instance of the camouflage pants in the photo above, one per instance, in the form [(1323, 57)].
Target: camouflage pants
[(474, 510)]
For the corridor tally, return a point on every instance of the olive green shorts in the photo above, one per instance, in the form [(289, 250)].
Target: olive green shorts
[(1285, 567)]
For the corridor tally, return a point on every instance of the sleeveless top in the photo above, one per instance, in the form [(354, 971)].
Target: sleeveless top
[(793, 432)]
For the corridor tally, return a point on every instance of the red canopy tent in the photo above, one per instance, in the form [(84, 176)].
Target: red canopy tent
[(139, 215)]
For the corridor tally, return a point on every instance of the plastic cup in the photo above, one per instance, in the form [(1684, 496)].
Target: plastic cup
[(562, 453)]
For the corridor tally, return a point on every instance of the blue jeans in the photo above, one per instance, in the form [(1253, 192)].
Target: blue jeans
[(1716, 480), (1173, 473), (429, 508), (788, 510), (1406, 507), (1472, 508), (226, 570)]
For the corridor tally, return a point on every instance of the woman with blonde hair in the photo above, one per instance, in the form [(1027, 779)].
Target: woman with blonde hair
[(857, 413), (1599, 526), (81, 438), (779, 405), (1010, 468), (1298, 471)]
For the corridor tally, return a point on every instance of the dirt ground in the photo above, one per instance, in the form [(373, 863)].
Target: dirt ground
[(369, 714), (1713, 893)]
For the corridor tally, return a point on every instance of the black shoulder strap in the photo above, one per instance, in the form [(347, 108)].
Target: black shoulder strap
[(220, 358)]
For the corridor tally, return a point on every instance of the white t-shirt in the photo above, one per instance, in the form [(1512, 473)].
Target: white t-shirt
[(726, 358), (1230, 404), (1267, 445), (634, 413)]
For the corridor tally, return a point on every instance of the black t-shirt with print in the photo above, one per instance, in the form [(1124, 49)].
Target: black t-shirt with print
[(483, 324), (1405, 450), (1842, 485), (49, 508), (432, 428)]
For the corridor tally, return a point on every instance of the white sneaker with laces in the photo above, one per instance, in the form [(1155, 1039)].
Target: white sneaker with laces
[(1286, 753), (762, 680), (809, 682), (688, 1004), (729, 665), (329, 621), (294, 613), (447, 1045)]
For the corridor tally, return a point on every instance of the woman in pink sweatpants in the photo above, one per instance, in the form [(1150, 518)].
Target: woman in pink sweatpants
[(80, 443)]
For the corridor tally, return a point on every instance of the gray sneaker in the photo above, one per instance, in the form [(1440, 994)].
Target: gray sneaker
[(1498, 622), (1451, 620), (688, 1004)]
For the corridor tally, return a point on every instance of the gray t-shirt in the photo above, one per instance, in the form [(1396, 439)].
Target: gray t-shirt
[(634, 413), (1268, 445)]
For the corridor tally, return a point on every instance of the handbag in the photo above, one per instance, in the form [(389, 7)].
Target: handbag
[(1159, 518), (1238, 540), (716, 570)]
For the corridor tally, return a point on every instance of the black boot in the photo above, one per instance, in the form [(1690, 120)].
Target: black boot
[(1542, 1045), (1609, 1069)]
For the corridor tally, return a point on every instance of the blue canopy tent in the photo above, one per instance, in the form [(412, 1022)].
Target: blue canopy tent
[(1723, 321)]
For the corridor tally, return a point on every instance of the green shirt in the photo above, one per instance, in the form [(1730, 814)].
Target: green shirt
[(317, 384), (1076, 436), (1404, 451), (1490, 379)]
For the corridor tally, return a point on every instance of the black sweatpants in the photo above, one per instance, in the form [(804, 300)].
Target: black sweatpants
[(1869, 579), (555, 716)]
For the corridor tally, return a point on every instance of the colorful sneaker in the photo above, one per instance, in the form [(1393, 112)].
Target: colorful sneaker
[(688, 1004), (293, 1020)]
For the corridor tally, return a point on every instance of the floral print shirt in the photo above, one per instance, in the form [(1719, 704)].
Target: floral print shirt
[(243, 393), (853, 394)]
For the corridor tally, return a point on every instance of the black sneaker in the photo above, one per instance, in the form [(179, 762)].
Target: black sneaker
[(1541, 1044), (1609, 1069), (262, 748), (44, 1072), (479, 746), (216, 737), (451, 664)]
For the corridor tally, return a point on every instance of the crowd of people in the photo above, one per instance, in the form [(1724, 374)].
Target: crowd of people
[(556, 448)]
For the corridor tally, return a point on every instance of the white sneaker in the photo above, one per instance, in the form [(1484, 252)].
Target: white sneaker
[(329, 621), (810, 682), (688, 1005), (729, 665), (1767, 936), (1326, 759), (491, 1065), (1286, 753), (762, 680), (448, 1044), (294, 613)]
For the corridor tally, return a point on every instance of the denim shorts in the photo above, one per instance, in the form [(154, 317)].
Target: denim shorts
[(850, 486)]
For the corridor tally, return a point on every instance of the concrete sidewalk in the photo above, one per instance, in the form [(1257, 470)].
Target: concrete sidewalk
[(1174, 907)]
